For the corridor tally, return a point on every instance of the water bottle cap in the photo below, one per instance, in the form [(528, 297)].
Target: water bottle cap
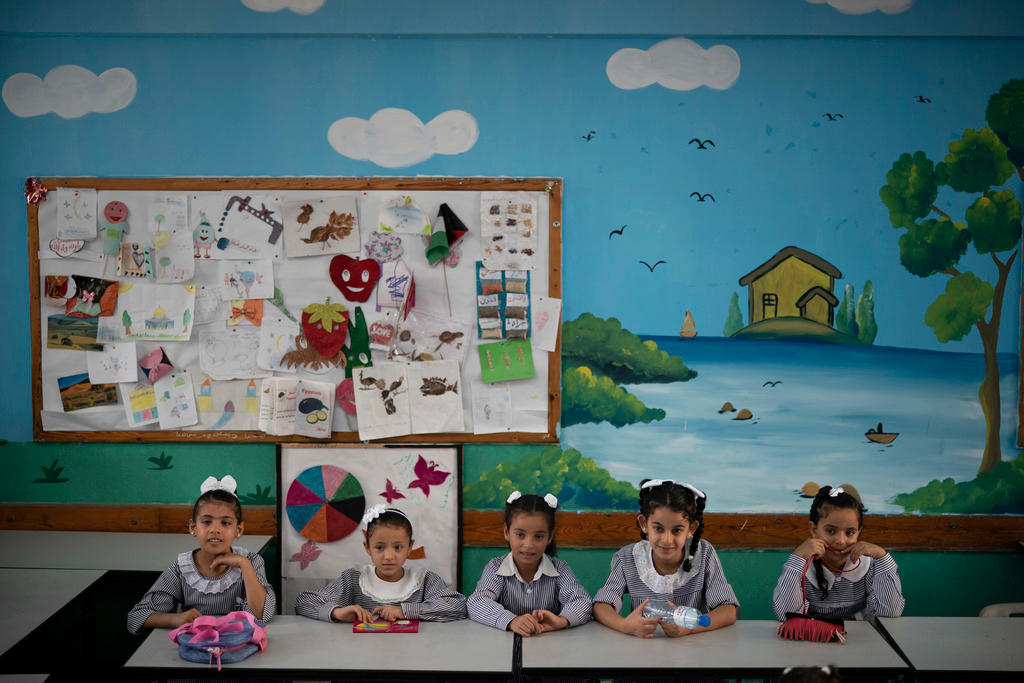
[(704, 620)]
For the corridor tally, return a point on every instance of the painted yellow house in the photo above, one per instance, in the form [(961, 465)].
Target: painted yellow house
[(794, 282)]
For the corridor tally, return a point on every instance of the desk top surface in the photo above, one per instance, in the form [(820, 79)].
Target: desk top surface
[(31, 596), (100, 549), (959, 643), (297, 643), (747, 644)]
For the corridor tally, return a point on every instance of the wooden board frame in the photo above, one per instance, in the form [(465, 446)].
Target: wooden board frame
[(551, 186)]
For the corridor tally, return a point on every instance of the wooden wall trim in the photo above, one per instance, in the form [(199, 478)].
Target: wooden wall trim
[(167, 519), (767, 531)]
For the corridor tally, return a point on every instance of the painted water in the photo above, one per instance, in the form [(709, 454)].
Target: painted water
[(808, 425)]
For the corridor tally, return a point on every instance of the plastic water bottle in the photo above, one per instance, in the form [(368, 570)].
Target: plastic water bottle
[(687, 617)]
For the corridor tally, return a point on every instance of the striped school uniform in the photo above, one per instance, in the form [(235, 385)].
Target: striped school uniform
[(865, 587), (421, 593), (182, 585), (633, 572), (501, 594)]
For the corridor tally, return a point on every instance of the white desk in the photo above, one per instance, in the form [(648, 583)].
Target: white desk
[(100, 549), (747, 648), (305, 647), (31, 596), (960, 645)]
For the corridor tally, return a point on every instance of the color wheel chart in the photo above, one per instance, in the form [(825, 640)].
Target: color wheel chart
[(325, 503)]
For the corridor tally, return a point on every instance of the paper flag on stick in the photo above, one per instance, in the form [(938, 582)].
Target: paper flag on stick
[(445, 233)]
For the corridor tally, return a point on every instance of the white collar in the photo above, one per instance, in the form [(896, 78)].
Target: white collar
[(205, 584), (508, 568), (391, 592), (660, 583), (852, 571)]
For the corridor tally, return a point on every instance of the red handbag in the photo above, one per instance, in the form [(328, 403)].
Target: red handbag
[(799, 626)]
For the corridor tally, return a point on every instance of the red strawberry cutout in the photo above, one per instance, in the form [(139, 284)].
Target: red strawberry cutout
[(325, 326), (356, 278)]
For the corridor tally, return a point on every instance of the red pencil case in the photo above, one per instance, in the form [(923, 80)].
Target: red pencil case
[(397, 626)]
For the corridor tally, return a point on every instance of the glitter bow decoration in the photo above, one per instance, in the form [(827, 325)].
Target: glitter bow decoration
[(373, 513), (213, 484), (513, 497), (550, 500), (246, 309), (35, 191)]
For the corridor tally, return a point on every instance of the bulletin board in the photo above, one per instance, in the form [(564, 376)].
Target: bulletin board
[(199, 322)]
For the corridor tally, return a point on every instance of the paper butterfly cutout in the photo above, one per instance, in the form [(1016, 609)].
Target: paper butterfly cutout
[(155, 364), (390, 493), (306, 555), (427, 475)]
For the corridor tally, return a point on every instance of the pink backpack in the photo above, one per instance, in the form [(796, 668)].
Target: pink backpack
[(227, 639)]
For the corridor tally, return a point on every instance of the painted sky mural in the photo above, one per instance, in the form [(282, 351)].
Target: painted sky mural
[(707, 170)]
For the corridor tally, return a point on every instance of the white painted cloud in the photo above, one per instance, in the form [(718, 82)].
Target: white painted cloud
[(677, 64), (297, 6), (866, 6), (69, 91), (396, 137)]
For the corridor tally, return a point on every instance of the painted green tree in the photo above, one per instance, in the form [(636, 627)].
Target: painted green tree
[(846, 315), (978, 163), (734, 318), (867, 328)]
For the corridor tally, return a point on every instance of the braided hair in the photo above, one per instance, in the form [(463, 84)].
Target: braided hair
[(528, 504), (678, 498), (840, 501)]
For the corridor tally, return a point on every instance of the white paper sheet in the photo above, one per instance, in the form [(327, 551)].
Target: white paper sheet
[(115, 363)]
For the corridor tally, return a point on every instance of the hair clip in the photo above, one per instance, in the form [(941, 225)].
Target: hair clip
[(550, 500), (835, 492), (213, 484), (513, 497), (696, 491), (652, 483), (373, 513)]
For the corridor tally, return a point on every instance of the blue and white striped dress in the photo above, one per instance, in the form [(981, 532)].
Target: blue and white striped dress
[(421, 593), (633, 572), (501, 595), (870, 587), (182, 585)]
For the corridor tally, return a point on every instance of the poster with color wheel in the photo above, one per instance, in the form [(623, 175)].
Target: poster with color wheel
[(325, 503)]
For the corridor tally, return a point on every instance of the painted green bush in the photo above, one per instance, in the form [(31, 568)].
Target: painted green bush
[(606, 348), (577, 481), (587, 397), (998, 491)]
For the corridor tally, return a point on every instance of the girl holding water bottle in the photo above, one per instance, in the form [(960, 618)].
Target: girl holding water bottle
[(671, 563)]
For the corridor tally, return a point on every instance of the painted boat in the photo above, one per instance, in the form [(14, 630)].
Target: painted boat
[(688, 328), (881, 437)]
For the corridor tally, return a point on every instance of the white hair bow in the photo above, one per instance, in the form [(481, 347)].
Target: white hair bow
[(550, 500), (373, 513), (213, 484), (835, 492), (696, 491), (652, 483), (513, 497)]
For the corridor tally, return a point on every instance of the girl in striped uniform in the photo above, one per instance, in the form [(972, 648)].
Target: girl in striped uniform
[(386, 589), (671, 563), (851, 579), (215, 579), (528, 590)]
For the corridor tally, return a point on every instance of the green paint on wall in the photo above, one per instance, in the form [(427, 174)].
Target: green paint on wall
[(126, 473), (933, 583), (478, 458)]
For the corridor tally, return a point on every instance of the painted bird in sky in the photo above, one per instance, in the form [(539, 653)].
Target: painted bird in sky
[(922, 99), (702, 197), (701, 144), (589, 136), (832, 117), (616, 232), (650, 267)]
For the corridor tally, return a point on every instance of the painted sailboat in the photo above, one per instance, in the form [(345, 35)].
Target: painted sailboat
[(688, 329)]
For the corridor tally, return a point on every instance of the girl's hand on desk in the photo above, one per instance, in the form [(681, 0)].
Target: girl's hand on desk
[(636, 624), (187, 617), (549, 621), (524, 625), (810, 547), (861, 548), (389, 612), (351, 613)]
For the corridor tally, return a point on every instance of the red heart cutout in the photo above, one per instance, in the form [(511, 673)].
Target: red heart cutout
[(356, 278), (382, 333)]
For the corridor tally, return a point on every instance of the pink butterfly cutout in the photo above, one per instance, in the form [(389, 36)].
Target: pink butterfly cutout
[(155, 364), (390, 493), (309, 552), (428, 475)]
